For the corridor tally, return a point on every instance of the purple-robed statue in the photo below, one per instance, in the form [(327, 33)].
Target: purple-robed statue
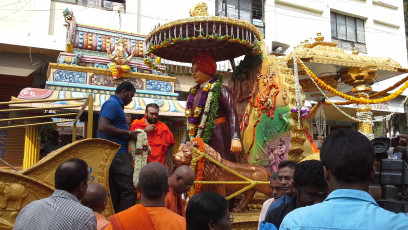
[(202, 112)]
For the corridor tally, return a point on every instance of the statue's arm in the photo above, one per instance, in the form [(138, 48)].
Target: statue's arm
[(130, 56), (228, 105), (111, 56)]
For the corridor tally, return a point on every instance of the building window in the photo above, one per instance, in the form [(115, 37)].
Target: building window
[(347, 28), (248, 10), (117, 5)]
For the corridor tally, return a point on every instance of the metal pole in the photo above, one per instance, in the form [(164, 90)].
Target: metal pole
[(90, 116)]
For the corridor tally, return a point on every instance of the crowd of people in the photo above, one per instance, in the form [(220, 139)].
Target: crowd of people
[(327, 194)]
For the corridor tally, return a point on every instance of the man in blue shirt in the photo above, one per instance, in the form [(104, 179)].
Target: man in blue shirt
[(112, 126), (286, 172), (311, 188), (347, 157)]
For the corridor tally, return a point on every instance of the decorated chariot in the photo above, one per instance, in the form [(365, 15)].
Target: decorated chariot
[(269, 92)]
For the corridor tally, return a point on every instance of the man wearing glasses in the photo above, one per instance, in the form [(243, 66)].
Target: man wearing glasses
[(286, 172), (311, 188), (179, 182), (277, 192)]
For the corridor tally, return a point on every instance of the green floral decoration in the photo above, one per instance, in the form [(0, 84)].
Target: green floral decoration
[(249, 62), (213, 110), (215, 101)]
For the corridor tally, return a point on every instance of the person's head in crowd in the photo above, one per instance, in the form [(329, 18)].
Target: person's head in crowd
[(208, 211), (95, 197), (43, 153), (152, 113), (128, 119), (311, 187), (153, 183), (72, 176), (347, 157), (182, 179), (286, 172), (55, 137), (275, 185), (125, 91)]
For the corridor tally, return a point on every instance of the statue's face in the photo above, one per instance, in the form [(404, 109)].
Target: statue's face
[(200, 77), (120, 45), (183, 156)]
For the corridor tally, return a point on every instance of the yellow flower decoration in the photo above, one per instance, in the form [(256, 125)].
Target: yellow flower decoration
[(348, 97), (188, 113), (197, 111), (207, 87), (193, 90)]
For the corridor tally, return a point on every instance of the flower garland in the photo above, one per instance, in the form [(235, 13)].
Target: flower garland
[(200, 165), (335, 106), (314, 110), (389, 88), (212, 114), (139, 150), (192, 119), (315, 107), (347, 103), (254, 46), (348, 97), (209, 101)]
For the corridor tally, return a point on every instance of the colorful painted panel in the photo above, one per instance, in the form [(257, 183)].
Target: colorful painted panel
[(160, 86), (158, 102), (266, 149), (264, 106), (70, 76), (103, 80), (33, 93), (137, 106), (102, 66)]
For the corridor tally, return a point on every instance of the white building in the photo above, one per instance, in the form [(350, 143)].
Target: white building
[(33, 33), (377, 31)]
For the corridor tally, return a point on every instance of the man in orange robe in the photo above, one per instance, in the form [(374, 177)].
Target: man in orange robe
[(96, 199), (151, 213), (159, 136), (179, 182)]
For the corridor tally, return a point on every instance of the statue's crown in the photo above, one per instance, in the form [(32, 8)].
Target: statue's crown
[(121, 40)]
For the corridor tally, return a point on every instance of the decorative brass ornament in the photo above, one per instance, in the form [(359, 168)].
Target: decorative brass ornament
[(225, 38), (19, 188), (199, 10)]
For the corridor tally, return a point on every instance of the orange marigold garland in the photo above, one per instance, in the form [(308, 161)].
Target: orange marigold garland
[(389, 88), (200, 165), (348, 97)]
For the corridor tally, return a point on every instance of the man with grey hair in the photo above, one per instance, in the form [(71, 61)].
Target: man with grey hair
[(277, 192), (151, 213)]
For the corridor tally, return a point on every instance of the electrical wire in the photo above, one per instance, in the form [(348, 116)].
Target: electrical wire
[(16, 11)]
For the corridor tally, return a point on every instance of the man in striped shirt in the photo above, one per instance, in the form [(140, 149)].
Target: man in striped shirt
[(62, 209)]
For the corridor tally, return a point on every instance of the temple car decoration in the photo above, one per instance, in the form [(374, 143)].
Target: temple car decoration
[(119, 58), (356, 72), (224, 38), (96, 61), (19, 188)]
